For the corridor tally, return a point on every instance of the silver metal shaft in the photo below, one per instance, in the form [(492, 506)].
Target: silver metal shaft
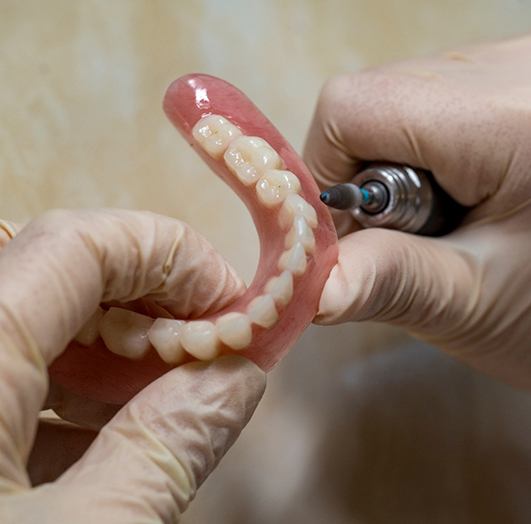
[(397, 197)]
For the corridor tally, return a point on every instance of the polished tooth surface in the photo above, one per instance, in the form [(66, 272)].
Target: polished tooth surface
[(90, 332), (214, 133), (249, 157), (126, 332), (275, 185), (165, 336), (293, 260), (262, 311), (301, 232), (296, 206), (234, 330), (281, 288), (199, 338)]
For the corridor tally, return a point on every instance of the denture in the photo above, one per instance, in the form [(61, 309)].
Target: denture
[(120, 351)]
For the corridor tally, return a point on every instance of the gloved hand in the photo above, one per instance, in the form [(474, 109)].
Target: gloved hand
[(465, 116), (147, 462)]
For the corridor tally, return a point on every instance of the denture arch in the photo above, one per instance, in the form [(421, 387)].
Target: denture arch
[(298, 247)]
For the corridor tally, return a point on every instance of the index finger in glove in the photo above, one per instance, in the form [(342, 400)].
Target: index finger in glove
[(55, 273)]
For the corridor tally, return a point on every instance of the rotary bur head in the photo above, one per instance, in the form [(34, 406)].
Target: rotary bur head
[(371, 197), (344, 196)]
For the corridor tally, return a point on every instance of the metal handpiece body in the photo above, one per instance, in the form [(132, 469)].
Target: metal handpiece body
[(397, 197)]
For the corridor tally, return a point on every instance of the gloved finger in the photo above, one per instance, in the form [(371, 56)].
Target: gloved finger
[(407, 114), (423, 284), (58, 445), (147, 463), (55, 273)]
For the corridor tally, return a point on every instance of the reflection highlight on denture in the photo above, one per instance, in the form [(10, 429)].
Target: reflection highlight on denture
[(254, 163)]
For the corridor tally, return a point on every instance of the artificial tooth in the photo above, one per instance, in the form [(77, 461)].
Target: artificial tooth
[(293, 260), (275, 185), (281, 288), (90, 332), (165, 336), (199, 338), (301, 232), (262, 311), (295, 206), (214, 133), (234, 330), (125, 332), (249, 157)]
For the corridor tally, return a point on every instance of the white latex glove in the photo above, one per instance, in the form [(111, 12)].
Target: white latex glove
[(147, 462), (465, 116)]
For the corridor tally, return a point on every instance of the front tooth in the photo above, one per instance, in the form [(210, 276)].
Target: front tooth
[(301, 232), (234, 330), (293, 260), (165, 337), (90, 332), (125, 332), (249, 157), (275, 185), (262, 311), (214, 133), (199, 338), (281, 288), (295, 206)]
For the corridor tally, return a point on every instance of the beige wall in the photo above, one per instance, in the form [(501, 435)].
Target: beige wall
[(81, 125), (82, 82)]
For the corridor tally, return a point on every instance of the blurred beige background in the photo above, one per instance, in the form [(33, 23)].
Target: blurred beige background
[(359, 424)]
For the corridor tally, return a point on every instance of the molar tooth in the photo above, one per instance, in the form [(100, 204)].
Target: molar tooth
[(199, 338), (248, 157), (301, 232), (234, 330), (294, 206), (89, 333), (293, 260), (125, 332), (281, 288), (262, 311), (275, 185), (214, 133), (165, 337)]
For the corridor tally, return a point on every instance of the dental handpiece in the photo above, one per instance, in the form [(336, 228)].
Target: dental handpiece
[(397, 197)]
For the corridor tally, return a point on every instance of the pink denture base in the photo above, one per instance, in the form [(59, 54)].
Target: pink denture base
[(97, 373)]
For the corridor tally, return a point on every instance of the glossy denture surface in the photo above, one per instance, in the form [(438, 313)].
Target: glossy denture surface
[(298, 249)]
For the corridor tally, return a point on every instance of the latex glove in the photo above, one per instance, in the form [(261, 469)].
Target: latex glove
[(465, 116), (146, 464)]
